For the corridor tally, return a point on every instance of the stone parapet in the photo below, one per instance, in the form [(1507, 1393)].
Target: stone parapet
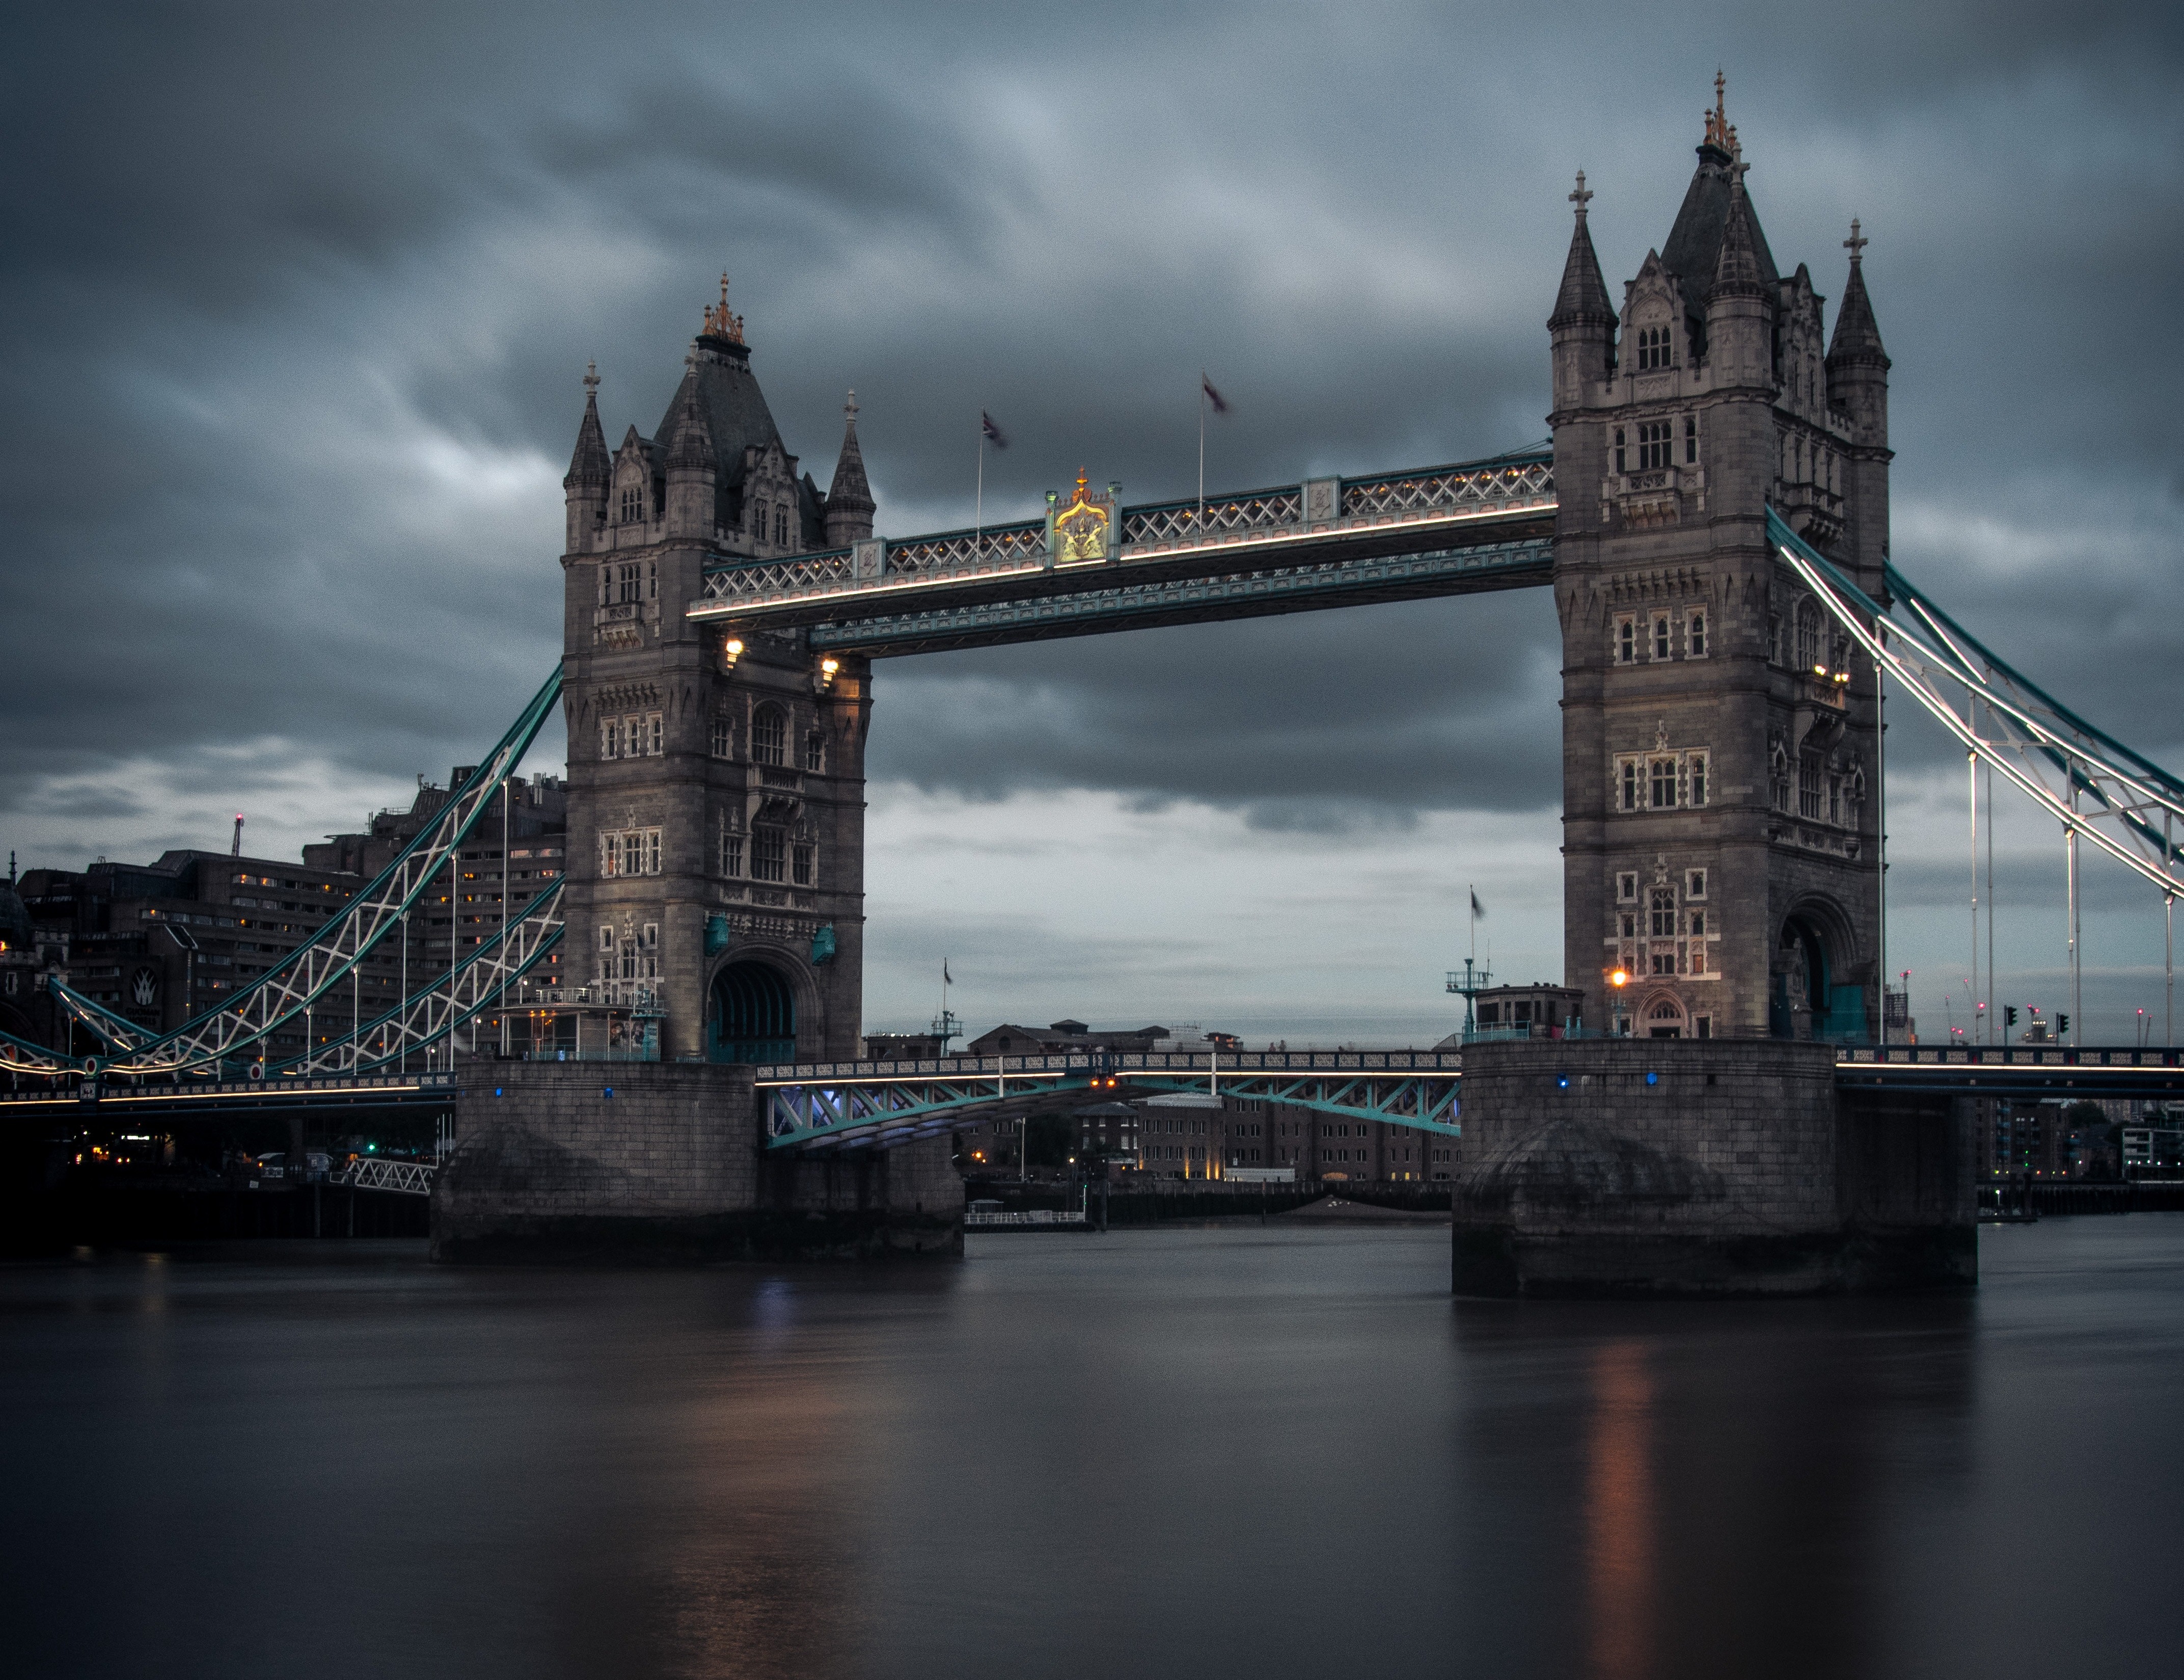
[(580, 1160), (1701, 1167)]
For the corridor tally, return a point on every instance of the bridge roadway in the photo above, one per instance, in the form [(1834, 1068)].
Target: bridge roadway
[(1459, 529), (824, 1106)]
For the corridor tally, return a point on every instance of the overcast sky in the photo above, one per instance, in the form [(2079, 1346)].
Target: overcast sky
[(297, 300)]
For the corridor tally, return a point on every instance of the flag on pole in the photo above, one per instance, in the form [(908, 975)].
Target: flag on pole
[(1478, 910), (989, 431), (1220, 403), (946, 979)]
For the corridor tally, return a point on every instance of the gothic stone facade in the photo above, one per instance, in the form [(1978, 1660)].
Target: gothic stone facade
[(715, 778), (1721, 759)]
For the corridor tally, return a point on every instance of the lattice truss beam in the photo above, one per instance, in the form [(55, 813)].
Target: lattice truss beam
[(1504, 484), (2089, 782), (236, 1027), (882, 1112)]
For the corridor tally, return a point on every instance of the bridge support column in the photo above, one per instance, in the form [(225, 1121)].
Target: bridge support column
[(1626, 1167), (665, 1161)]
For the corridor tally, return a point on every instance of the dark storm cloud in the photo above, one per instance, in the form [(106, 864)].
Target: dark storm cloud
[(298, 298)]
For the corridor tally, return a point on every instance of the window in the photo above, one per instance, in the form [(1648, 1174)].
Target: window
[(611, 737), (1698, 924), (781, 527), (1776, 648), (759, 512), (1654, 348), (629, 851), (815, 751), (1808, 637), (1664, 921), (1778, 779), (1698, 964), (799, 863), (1664, 783), (1652, 446), (723, 738), (768, 859), (606, 936), (1631, 785), (655, 736), (629, 584), (1690, 439), (1695, 636), (769, 734), (1626, 641), (648, 946), (731, 852), (1835, 799), (1664, 962), (1809, 793), (1661, 642), (1626, 886), (633, 504), (1618, 448), (1697, 762), (1694, 884)]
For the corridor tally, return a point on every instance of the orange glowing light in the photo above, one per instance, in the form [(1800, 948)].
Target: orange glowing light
[(1619, 978)]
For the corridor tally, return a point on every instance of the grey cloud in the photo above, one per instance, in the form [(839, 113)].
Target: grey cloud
[(271, 249)]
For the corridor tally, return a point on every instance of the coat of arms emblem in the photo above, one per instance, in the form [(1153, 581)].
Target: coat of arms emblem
[(1085, 529)]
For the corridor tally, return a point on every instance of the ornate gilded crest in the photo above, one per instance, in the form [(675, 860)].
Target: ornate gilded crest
[(1084, 530)]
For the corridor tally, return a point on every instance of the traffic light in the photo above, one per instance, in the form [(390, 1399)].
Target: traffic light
[(2062, 1026), (2010, 1014)]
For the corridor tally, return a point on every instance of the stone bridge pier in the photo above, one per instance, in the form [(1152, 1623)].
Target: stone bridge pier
[(665, 1161)]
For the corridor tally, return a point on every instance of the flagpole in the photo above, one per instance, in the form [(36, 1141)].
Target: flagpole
[(1201, 454), (978, 519)]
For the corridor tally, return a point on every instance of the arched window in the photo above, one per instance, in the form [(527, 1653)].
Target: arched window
[(759, 512), (1654, 348), (769, 735), (815, 751), (781, 527), (1808, 637)]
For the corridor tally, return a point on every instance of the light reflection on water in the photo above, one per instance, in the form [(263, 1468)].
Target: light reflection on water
[(1268, 1452)]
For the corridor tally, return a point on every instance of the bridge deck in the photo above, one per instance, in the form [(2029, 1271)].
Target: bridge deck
[(1447, 530)]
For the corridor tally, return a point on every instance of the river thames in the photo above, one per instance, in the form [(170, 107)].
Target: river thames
[(1204, 1452)]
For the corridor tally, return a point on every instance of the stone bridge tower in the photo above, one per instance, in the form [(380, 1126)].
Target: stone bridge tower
[(1721, 760), (716, 857)]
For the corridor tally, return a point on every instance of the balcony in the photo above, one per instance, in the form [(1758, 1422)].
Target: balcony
[(1662, 495)]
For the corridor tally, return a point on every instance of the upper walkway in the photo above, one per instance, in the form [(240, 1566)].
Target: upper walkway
[(1327, 542)]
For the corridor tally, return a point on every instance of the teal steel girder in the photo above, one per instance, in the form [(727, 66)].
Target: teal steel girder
[(1349, 582), (856, 1105)]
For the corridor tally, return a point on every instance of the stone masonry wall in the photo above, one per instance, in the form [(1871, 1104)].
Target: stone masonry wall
[(1702, 1166), (548, 1164)]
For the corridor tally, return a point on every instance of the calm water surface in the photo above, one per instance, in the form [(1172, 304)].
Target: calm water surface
[(1197, 1453)]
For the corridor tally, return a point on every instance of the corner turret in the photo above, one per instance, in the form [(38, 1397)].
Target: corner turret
[(849, 506), (1740, 307), (590, 469), (1583, 324)]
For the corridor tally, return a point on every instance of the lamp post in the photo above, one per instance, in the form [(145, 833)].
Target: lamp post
[(1620, 1025)]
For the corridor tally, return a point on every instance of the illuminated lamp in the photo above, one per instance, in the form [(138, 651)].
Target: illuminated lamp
[(731, 651)]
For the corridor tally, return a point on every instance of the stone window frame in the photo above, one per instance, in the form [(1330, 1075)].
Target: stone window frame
[(1656, 346), (1661, 642), (1695, 883), (626, 852), (815, 751), (803, 863), (1623, 641), (1695, 633), (1626, 887), (1635, 779), (655, 734), (722, 741), (1690, 439), (729, 852), (1656, 445)]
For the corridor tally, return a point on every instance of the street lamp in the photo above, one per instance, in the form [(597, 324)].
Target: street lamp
[(1618, 980)]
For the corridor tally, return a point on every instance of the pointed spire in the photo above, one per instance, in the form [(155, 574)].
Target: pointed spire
[(1736, 271), (849, 505), (1858, 335), (1583, 298), (590, 465)]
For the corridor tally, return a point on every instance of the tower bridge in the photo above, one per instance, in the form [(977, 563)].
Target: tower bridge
[(1712, 516)]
